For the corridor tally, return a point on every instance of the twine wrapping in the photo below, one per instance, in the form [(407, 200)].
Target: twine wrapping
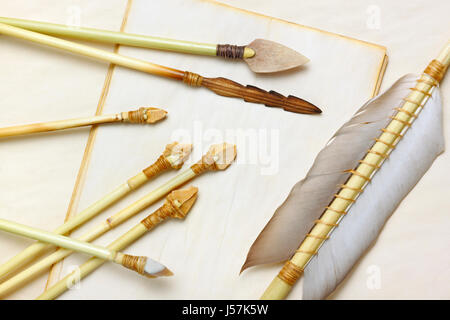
[(290, 273), (203, 165), (160, 165), (436, 70), (164, 212), (138, 116), (229, 51), (192, 79), (135, 263)]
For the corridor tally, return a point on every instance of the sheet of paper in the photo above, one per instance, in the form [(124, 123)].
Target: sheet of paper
[(37, 173), (275, 148)]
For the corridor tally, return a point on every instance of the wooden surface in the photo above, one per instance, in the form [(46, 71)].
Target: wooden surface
[(275, 148)]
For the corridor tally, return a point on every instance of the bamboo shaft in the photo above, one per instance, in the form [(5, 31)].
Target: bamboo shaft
[(42, 265), (70, 245), (385, 143), (219, 157), (30, 273), (95, 232), (92, 264), (55, 239), (128, 39), (177, 205), (58, 125), (143, 115), (39, 248), (103, 55)]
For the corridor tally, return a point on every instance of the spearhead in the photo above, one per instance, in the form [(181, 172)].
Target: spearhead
[(264, 56), (182, 201), (144, 115), (273, 57), (173, 157), (177, 205), (249, 93), (228, 88), (177, 153), (219, 157)]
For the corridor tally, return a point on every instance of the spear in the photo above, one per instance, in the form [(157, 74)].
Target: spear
[(220, 86), (218, 157), (143, 115), (141, 264), (262, 56), (173, 157), (177, 205), (333, 215)]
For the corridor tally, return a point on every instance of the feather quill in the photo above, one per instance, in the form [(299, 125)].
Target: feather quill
[(308, 198), (366, 217)]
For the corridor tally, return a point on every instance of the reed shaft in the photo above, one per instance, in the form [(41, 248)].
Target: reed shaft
[(119, 244), (92, 52), (55, 239), (94, 233), (42, 265), (39, 248), (92, 264), (58, 125), (106, 36)]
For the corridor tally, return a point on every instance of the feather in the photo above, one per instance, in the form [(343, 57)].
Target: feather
[(360, 227), (295, 217)]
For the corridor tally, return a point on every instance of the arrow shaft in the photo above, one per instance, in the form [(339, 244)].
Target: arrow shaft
[(115, 37), (55, 239), (220, 86), (88, 51)]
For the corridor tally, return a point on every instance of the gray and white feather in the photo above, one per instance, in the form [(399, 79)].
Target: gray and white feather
[(394, 180), (308, 198)]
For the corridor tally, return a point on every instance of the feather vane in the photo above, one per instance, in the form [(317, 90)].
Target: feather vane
[(366, 217), (308, 198)]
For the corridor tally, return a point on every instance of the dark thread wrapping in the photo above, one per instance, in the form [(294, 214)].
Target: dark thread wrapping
[(229, 51)]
